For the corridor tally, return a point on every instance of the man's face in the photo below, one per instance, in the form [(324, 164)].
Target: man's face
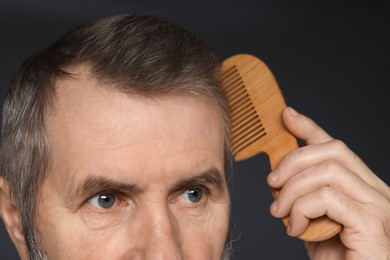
[(132, 177)]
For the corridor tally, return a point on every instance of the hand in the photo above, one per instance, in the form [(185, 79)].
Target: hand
[(326, 177)]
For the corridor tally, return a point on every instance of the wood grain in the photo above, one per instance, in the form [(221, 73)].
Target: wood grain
[(256, 103)]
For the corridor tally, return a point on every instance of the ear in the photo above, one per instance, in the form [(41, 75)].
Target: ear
[(11, 218)]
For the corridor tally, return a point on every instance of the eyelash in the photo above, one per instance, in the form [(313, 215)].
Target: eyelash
[(205, 192), (120, 201)]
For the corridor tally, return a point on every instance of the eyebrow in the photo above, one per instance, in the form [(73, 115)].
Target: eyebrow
[(95, 184), (211, 176)]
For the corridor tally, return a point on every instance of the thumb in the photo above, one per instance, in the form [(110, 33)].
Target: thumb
[(303, 127)]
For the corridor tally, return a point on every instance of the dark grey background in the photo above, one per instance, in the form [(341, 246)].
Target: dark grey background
[(331, 60)]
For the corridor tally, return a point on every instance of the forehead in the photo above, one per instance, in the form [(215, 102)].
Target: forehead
[(82, 99), (91, 122)]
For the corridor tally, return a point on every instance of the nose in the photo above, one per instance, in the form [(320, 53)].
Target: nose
[(163, 234)]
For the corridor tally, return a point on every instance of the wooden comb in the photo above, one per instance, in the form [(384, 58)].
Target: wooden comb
[(256, 102)]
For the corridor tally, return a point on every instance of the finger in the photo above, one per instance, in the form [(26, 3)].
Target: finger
[(335, 150), (303, 127), (325, 201), (307, 156), (328, 173), (365, 226)]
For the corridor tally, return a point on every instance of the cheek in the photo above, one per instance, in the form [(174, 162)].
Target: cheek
[(64, 234), (68, 237), (205, 237)]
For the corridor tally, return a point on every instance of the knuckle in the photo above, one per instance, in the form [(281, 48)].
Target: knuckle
[(293, 211), (331, 167), (342, 150), (298, 210), (297, 207), (326, 194), (335, 171), (291, 187), (294, 155), (339, 146)]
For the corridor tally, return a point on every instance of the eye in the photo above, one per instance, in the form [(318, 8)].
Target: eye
[(103, 201), (192, 195)]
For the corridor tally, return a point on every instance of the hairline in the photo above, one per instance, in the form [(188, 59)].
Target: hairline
[(49, 100), (33, 89)]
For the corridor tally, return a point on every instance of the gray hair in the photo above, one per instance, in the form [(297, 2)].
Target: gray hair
[(136, 54)]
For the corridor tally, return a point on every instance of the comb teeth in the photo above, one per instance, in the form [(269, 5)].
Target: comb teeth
[(246, 126)]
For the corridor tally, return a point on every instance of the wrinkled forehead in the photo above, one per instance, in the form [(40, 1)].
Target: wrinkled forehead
[(85, 106), (92, 129)]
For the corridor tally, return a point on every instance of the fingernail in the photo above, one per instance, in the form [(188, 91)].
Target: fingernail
[(293, 112), (274, 206), (273, 176)]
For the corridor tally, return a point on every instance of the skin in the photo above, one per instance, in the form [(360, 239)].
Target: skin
[(148, 153), (326, 177), (158, 143)]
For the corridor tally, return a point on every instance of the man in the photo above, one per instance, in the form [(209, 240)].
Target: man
[(115, 144)]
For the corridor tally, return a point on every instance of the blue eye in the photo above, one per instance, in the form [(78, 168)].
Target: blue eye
[(193, 195), (103, 201)]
